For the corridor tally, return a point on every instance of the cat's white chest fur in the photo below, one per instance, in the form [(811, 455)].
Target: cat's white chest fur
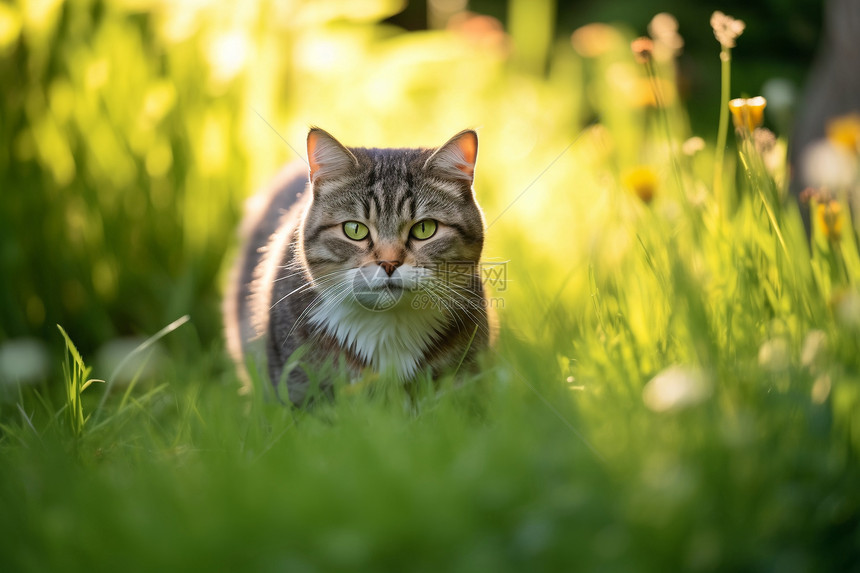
[(392, 340)]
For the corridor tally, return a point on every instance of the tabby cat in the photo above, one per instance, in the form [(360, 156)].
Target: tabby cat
[(369, 258)]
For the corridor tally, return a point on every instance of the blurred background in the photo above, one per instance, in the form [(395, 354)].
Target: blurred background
[(132, 130)]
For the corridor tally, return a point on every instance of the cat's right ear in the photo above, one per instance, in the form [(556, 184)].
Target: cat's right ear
[(456, 159), (327, 157)]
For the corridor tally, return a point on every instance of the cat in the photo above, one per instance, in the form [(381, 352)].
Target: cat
[(364, 257)]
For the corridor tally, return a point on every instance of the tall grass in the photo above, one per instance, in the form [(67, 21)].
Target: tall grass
[(675, 386)]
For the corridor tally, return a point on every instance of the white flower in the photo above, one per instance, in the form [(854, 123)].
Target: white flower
[(726, 29), (821, 389), (664, 29), (676, 388), (693, 145), (814, 347), (828, 165), (848, 310), (773, 355)]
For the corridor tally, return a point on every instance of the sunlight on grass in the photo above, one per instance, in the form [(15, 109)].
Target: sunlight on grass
[(676, 383)]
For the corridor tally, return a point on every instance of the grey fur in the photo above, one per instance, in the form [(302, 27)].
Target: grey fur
[(284, 287)]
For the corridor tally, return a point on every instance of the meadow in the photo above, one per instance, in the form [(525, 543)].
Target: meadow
[(677, 377)]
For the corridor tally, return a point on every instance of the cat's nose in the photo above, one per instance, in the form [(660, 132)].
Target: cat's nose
[(388, 266)]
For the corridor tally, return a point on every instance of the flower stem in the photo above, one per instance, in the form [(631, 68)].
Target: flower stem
[(663, 115), (719, 155)]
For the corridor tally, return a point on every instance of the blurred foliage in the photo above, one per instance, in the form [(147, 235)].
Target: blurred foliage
[(130, 130), (780, 42)]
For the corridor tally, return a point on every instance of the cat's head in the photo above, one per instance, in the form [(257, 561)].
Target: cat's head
[(391, 221)]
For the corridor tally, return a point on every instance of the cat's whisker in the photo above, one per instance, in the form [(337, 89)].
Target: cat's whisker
[(325, 302), (432, 289), (336, 296), (446, 276), (459, 291), (467, 306), (332, 289), (306, 286), (476, 277), (441, 301), (461, 315), (459, 312), (462, 290), (289, 276), (467, 286), (305, 272)]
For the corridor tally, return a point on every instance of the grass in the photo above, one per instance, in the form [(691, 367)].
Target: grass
[(675, 386)]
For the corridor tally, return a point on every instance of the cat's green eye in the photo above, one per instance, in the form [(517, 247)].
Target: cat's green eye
[(423, 229), (355, 230)]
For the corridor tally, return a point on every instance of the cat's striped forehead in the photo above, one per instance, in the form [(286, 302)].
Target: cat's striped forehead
[(392, 188), (389, 181)]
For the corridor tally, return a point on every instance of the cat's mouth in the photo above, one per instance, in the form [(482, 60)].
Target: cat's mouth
[(375, 278), (380, 297), (379, 285), (388, 284), (374, 289)]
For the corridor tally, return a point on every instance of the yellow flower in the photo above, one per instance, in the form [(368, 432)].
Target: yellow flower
[(830, 219), (642, 180), (748, 113), (844, 131)]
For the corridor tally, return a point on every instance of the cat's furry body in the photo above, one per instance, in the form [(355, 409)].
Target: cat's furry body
[(393, 299)]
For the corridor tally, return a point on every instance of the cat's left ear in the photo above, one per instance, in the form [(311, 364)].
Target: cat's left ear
[(327, 157), (456, 159)]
